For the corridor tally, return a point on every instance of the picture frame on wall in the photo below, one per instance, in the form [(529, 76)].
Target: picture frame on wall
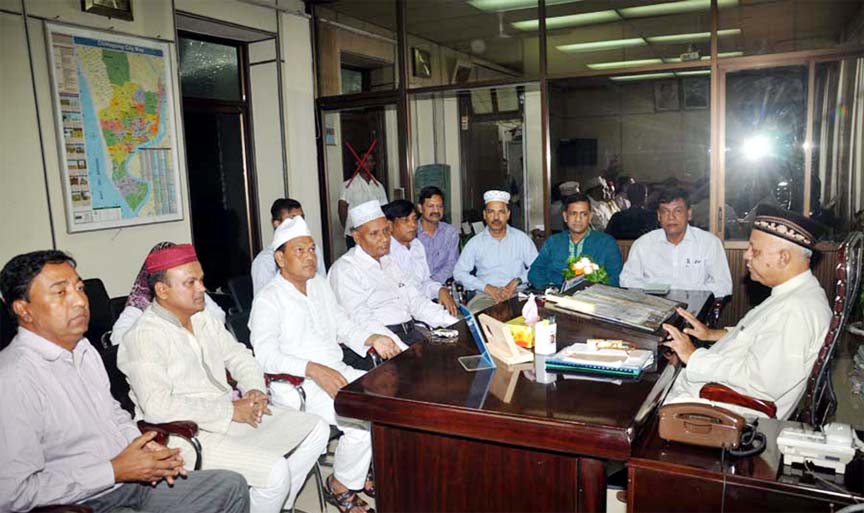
[(666, 97), (421, 63), (120, 9), (696, 93)]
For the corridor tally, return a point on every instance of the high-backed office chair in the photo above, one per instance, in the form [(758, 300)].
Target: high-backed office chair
[(238, 325), (101, 318), (117, 304), (242, 292), (8, 326), (819, 401)]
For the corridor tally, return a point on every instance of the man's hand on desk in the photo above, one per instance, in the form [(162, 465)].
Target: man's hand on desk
[(680, 343), (699, 329), (384, 346), (328, 379), (447, 301), (499, 294)]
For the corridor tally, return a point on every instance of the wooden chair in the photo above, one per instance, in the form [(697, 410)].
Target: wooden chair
[(819, 401)]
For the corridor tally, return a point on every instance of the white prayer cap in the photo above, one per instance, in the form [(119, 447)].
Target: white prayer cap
[(569, 188), (496, 196), (364, 212), (290, 229)]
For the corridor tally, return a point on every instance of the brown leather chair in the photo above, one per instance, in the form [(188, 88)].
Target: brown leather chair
[(819, 401)]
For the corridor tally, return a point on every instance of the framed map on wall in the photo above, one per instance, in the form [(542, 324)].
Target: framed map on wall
[(116, 131)]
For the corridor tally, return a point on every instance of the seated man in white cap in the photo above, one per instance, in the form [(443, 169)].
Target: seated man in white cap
[(495, 261), (175, 358), (263, 266), (296, 326), (373, 289), (771, 351)]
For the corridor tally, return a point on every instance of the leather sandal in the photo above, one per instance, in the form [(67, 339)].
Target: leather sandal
[(369, 486), (347, 501)]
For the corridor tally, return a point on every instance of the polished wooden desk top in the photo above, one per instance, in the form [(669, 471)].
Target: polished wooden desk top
[(765, 470), (426, 388)]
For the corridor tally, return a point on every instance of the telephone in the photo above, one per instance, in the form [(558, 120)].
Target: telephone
[(834, 447), (710, 426)]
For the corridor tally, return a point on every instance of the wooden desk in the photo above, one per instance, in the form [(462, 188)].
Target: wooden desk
[(672, 477), (448, 440)]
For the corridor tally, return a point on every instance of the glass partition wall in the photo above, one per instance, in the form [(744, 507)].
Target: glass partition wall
[(527, 94)]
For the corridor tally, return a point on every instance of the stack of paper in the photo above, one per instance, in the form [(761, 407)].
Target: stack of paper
[(580, 358)]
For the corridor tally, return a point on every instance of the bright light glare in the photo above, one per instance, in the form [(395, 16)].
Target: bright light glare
[(756, 148)]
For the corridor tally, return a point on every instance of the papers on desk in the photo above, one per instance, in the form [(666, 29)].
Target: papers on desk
[(628, 307), (611, 362)]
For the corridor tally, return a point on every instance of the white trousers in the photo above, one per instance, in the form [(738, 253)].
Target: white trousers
[(354, 451), (289, 474)]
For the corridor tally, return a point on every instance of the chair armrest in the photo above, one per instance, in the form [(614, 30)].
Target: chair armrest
[(185, 429), (376, 358), (284, 378), (722, 394), (292, 379), (71, 508), (182, 428)]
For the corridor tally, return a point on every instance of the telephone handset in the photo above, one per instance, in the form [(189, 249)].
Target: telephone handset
[(701, 424)]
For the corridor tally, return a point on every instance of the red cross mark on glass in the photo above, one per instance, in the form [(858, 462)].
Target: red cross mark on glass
[(361, 164)]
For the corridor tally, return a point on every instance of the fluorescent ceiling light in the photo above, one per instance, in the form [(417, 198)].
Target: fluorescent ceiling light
[(696, 73), (624, 64), (721, 55), (571, 20), (593, 46), (683, 6), (511, 5), (692, 38), (647, 76)]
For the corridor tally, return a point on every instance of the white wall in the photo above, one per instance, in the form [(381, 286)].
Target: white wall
[(264, 92), (116, 255)]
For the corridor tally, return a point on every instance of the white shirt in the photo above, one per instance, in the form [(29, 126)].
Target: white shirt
[(412, 261), (770, 353), (130, 314), (377, 294), (698, 262), (264, 268), (361, 191), (289, 329)]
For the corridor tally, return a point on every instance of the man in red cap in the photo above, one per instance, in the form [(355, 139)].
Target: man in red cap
[(175, 357)]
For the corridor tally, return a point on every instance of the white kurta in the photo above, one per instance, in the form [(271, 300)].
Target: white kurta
[(412, 261), (698, 262), (130, 314), (289, 330), (377, 294), (770, 353), (175, 375)]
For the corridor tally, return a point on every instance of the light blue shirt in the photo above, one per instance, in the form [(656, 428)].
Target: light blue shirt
[(496, 261)]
